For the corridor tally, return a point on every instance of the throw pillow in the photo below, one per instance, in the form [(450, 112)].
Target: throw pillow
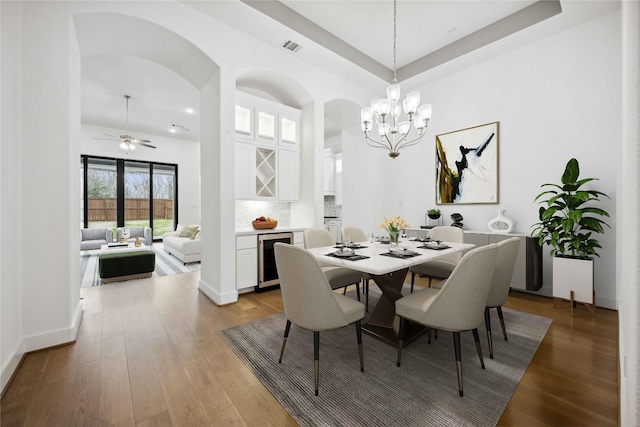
[(188, 231), (196, 235)]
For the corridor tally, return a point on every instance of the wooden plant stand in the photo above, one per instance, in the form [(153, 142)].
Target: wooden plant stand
[(572, 303)]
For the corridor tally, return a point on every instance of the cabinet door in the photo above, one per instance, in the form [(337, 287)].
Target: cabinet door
[(266, 125), (329, 172), (289, 131), (245, 171), (245, 127), (288, 175), (246, 268), (338, 189)]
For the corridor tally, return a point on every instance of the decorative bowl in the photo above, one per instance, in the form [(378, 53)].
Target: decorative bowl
[(264, 225)]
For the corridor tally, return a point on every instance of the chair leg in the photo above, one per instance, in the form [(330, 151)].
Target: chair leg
[(504, 330), (430, 278), (358, 290), (359, 335), (316, 359), (476, 338), (413, 278), (366, 297), (284, 340), (456, 346), (400, 340), (487, 324)]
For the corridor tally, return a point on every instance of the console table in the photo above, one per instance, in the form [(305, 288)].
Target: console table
[(527, 274)]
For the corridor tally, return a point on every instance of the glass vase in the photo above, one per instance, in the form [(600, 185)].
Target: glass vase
[(393, 238)]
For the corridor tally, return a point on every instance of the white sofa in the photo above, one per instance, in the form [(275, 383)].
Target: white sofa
[(184, 245)]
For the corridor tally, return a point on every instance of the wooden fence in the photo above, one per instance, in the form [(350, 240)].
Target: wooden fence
[(106, 209)]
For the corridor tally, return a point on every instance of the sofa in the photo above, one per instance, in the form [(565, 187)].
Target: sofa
[(93, 238), (144, 233), (184, 243)]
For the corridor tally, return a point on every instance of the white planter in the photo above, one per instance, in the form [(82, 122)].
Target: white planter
[(573, 275)]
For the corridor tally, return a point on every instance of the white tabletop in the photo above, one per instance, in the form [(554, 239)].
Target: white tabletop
[(378, 264)]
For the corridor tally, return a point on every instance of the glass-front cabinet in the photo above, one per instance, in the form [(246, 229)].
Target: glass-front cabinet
[(267, 149)]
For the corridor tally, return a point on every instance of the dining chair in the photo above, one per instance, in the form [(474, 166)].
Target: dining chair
[(309, 302), (457, 307), (441, 267), (356, 234), (338, 277), (500, 285)]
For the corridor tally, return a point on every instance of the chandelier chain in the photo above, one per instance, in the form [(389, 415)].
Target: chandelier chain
[(394, 42)]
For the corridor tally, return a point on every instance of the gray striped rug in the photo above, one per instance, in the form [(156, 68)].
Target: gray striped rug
[(422, 392), (166, 264)]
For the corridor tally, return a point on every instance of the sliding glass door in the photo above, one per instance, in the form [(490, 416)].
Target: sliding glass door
[(137, 191), (100, 186), (165, 184), (124, 193)]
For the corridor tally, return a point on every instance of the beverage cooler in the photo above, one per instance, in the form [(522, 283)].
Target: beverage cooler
[(267, 271)]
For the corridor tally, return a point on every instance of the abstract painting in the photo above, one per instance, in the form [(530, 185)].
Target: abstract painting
[(467, 165)]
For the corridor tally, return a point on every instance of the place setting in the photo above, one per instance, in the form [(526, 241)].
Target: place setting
[(347, 253), (436, 245)]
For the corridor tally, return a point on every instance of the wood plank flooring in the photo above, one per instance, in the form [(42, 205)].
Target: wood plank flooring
[(149, 354)]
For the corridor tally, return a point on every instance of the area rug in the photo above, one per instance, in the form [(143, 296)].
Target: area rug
[(422, 392), (166, 264)]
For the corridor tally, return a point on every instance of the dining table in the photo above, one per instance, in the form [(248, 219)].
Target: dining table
[(387, 266)]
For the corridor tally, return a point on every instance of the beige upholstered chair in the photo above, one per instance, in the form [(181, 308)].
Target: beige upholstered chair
[(356, 235), (500, 284), (309, 302), (338, 277), (458, 306), (442, 267)]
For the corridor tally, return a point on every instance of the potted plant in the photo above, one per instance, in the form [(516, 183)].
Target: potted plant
[(433, 213), (568, 220)]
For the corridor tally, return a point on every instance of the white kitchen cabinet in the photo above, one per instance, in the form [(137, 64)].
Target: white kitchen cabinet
[(335, 228), (298, 239), (266, 122), (264, 173), (246, 262), (338, 179), (288, 175), (329, 172)]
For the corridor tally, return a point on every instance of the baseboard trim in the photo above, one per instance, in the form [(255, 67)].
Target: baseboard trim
[(55, 338), (12, 366), (216, 297)]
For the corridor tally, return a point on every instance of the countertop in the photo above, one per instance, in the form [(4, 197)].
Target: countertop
[(250, 230)]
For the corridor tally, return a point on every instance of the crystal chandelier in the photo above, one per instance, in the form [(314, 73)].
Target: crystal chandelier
[(392, 129)]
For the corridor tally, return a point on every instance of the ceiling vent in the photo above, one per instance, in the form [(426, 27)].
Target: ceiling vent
[(292, 46)]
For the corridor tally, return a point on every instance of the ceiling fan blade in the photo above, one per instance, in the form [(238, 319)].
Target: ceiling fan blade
[(140, 140), (108, 139), (112, 136), (144, 144)]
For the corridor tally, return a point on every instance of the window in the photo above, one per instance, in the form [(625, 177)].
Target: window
[(118, 193)]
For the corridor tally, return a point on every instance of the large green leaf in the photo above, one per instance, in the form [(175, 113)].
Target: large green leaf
[(571, 172)]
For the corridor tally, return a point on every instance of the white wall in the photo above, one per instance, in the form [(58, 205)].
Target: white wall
[(186, 154), (555, 99)]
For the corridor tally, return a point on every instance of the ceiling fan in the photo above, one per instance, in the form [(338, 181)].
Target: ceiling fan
[(128, 142)]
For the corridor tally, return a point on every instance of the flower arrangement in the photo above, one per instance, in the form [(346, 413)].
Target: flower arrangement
[(394, 224)]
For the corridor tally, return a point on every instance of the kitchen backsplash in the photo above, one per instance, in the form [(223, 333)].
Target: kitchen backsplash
[(330, 207), (249, 210)]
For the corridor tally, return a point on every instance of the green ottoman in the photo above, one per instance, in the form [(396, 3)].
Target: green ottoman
[(118, 266)]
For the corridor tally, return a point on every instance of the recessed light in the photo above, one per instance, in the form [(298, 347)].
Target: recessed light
[(188, 110), (172, 130)]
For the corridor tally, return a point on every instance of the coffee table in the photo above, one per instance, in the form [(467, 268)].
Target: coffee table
[(104, 249)]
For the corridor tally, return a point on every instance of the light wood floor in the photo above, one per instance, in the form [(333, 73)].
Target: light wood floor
[(148, 354)]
